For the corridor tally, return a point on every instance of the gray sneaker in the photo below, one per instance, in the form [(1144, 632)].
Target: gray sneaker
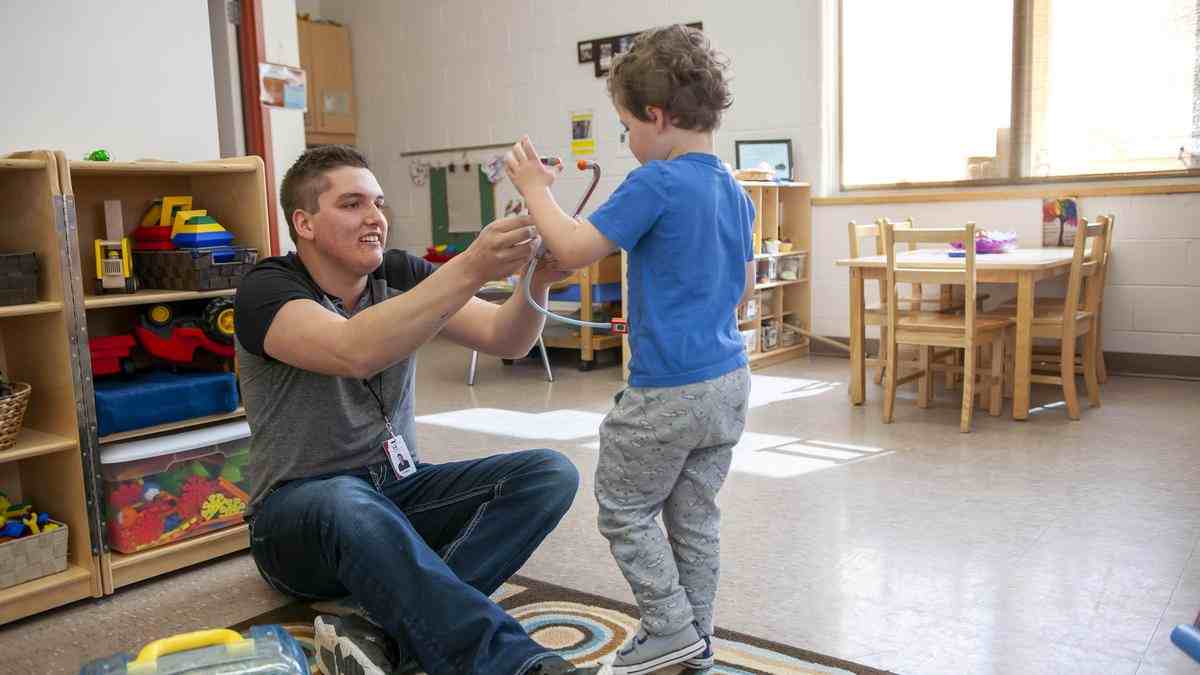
[(647, 653), (351, 645), (705, 659)]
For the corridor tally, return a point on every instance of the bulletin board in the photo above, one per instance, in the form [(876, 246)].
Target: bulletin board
[(440, 208)]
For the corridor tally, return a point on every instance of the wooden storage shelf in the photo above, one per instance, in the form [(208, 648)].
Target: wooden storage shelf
[(127, 568), (781, 211), (46, 466), (39, 595), (41, 307), (31, 443), (173, 426), (588, 341), (777, 284), (156, 168), (764, 256), (233, 191), (778, 355), (150, 296)]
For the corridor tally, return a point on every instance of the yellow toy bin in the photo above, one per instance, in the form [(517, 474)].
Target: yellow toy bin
[(165, 489)]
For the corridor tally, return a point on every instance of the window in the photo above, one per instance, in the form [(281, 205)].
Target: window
[(936, 91)]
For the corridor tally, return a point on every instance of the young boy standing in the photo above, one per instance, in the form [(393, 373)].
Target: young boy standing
[(667, 444)]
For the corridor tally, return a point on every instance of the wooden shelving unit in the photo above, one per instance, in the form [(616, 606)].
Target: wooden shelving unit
[(122, 569), (234, 192), (587, 340), (46, 465), (782, 211)]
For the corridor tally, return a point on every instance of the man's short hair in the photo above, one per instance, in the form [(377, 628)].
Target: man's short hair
[(306, 180), (674, 68)]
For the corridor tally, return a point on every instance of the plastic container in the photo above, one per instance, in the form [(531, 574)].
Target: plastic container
[(168, 488), (265, 650), (750, 340), (770, 336), (791, 267)]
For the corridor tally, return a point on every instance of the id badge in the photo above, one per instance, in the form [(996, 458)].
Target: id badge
[(400, 457)]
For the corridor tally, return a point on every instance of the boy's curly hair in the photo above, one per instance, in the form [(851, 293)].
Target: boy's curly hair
[(674, 68), (305, 180)]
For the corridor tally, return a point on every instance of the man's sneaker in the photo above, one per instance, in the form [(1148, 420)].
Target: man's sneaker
[(647, 653), (557, 665), (351, 645), (705, 659)]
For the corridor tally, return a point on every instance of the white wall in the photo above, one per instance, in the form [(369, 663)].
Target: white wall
[(432, 75), (132, 77), (1151, 305), (462, 72), (287, 126)]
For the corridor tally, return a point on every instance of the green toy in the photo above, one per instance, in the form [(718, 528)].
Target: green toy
[(100, 155)]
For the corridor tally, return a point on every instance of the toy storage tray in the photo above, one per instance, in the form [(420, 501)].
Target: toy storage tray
[(33, 556), (160, 397), (265, 650), (194, 269), (168, 488)]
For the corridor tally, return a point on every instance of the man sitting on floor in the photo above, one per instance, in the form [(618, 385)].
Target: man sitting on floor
[(340, 503)]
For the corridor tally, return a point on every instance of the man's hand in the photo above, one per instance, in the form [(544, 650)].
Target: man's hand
[(504, 247), (548, 272), (524, 167)]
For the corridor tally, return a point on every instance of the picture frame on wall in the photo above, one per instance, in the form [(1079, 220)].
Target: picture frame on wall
[(777, 153), (585, 51), (604, 56)]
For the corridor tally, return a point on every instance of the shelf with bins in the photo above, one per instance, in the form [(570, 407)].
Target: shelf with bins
[(123, 569), (783, 211), (233, 192), (46, 465)]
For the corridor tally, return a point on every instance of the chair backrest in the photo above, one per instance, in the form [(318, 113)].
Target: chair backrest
[(900, 271), (1102, 278), (1086, 261), (859, 232)]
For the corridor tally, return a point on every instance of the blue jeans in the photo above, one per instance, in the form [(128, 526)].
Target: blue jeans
[(421, 554)]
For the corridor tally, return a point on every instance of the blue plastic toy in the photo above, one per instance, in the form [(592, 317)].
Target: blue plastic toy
[(1187, 638)]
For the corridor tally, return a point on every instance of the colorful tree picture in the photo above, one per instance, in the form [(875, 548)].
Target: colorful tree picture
[(1060, 219)]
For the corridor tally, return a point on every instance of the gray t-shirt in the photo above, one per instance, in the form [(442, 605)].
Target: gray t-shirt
[(306, 424)]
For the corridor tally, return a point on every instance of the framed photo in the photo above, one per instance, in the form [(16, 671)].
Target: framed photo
[(585, 51), (604, 56), (776, 153)]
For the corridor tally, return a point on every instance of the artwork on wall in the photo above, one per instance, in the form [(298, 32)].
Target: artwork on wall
[(1060, 219), (601, 51)]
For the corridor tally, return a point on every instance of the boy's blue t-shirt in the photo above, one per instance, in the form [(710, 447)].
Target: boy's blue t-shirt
[(687, 226)]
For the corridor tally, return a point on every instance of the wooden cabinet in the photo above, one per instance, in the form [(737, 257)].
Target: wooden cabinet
[(233, 191), (55, 208), (326, 57), (47, 466), (783, 211)]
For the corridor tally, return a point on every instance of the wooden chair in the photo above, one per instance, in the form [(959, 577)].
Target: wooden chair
[(1052, 321), (876, 315), (1052, 305), (927, 330)]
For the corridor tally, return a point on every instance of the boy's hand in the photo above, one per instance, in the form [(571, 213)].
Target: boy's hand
[(524, 167)]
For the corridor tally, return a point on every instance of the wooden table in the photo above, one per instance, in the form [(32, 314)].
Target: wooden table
[(1023, 267)]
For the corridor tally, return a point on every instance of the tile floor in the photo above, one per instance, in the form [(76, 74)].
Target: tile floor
[(1047, 546)]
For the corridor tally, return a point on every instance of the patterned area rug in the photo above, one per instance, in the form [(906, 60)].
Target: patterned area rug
[(587, 629)]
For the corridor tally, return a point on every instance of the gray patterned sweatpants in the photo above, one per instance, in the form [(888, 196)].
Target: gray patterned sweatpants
[(668, 450)]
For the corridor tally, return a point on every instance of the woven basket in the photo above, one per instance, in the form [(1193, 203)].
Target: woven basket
[(31, 557), (12, 413)]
